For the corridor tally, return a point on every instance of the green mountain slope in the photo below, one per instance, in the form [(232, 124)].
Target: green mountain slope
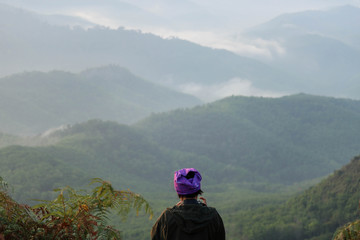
[(283, 140), (315, 214), (114, 152), (34, 102), (35, 172), (241, 140)]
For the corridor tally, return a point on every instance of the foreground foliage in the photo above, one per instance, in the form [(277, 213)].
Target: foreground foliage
[(350, 231), (72, 215)]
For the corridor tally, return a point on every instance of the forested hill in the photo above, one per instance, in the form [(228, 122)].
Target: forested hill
[(114, 152), (241, 140), (313, 215), (33, 102), (285, 140)]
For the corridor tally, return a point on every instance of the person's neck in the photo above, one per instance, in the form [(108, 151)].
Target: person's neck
[(185, 198)]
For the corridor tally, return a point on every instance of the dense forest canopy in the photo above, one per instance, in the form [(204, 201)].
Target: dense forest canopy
[(315, 214), (266, 137)]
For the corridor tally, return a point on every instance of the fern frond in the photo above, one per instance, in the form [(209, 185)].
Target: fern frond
[(73, 214)]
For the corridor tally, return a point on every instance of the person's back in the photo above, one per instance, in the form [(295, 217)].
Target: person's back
[(189, 219)]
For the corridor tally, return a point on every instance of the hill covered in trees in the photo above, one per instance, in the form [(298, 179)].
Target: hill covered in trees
[(282, 140), (33, 102), (240, 139), (315, 214), (93, 149)]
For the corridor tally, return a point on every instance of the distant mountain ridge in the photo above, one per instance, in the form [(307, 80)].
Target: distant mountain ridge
[(32, 44), (33, 102), (320, 47), (340, 23)]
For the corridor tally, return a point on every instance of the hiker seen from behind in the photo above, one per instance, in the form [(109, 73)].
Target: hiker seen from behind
[(189, 219)]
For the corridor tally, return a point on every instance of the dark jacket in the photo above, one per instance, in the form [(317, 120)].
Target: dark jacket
[(188, 221)]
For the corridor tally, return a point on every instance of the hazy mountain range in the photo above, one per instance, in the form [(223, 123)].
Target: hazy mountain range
[(316, 62), (322, 48), (31, 44), (185, 16)]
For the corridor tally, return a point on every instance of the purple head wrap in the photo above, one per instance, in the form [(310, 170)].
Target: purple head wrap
[(185, 183)]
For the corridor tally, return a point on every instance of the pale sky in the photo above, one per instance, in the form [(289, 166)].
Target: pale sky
[(230, 14), (211, 23)]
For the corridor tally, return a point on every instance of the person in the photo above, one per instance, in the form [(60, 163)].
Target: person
[(189, 219)]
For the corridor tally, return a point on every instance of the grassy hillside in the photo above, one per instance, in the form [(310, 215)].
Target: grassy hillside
[(284, 140), (33, 102), (312, 215)]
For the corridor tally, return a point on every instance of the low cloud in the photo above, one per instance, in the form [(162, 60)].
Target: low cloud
[(232, 87), (95, 17), (255, 48)]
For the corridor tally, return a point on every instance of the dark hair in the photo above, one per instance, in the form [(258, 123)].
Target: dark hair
[(193, 195), (190, 175)]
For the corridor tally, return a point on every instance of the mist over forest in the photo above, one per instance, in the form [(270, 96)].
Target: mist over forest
[(268, 110)]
